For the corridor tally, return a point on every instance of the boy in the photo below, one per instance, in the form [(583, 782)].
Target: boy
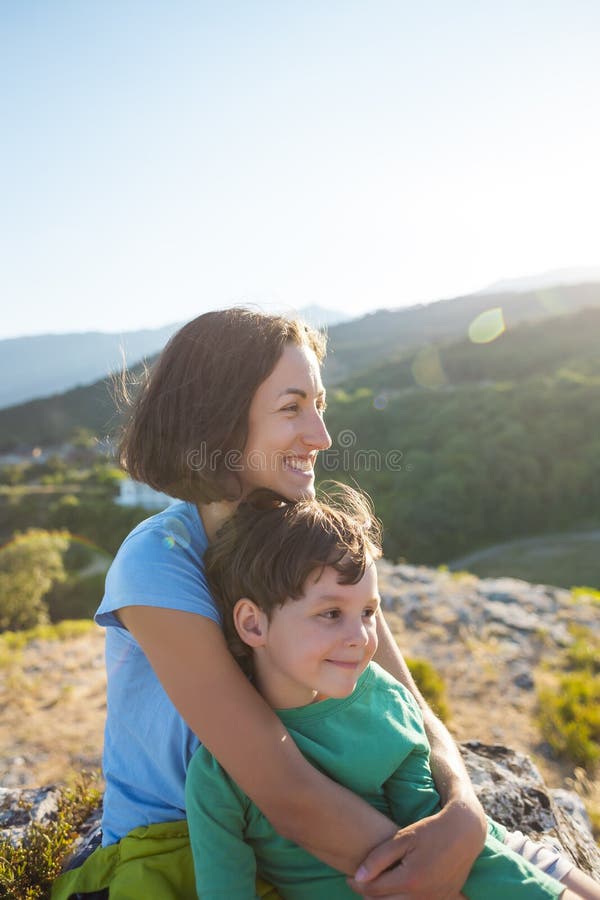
[(297, 586)]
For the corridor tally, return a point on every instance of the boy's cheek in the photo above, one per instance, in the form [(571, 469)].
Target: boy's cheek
[(375, 643)]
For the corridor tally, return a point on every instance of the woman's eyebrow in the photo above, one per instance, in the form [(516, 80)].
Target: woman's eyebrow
[(290, 390), (299, 392)]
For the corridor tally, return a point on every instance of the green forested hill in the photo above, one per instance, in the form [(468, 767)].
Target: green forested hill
[(360, 344), (504, 442), (378, 351), (565, 342), (463, 467), (53, 420)]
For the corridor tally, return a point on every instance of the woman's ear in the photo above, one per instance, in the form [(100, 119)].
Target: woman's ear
[(251, 622)]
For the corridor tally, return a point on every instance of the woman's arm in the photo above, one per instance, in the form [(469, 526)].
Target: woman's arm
[(190, 657), (436, 853)]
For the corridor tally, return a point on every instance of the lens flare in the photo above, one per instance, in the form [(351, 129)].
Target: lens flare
[(487, 326), (427, 368)]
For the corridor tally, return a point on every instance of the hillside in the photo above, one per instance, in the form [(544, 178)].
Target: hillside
[(45, 364), (462, 446), (374, 351), (41, 365), (567, 343), (362, 343)]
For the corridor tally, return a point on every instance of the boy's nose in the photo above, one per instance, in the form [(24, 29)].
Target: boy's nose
[(357, 636)]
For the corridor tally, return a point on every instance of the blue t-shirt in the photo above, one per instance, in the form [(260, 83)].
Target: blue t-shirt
[(147, 744)]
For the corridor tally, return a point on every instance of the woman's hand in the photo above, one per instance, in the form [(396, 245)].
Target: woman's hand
[(431, 859)]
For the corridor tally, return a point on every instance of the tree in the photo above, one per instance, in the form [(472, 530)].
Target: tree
[(29, 565)]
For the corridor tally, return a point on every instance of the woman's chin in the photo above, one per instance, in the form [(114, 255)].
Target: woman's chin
[(306, 493)]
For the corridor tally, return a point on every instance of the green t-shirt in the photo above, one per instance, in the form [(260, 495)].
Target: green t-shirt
[(374, 743)]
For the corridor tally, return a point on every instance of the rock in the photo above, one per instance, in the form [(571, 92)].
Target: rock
[(524, 680), (512, 792), (19, 808)]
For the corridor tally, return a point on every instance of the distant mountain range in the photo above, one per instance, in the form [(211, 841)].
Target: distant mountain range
[(372, 351), (41, 365), (580, 275)]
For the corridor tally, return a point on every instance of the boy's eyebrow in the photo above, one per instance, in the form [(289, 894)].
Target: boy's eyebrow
[(335, 598)]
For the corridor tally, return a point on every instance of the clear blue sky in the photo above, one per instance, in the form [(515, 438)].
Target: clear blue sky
[(161, 158)]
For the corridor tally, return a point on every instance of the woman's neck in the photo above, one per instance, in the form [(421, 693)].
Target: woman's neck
[(213, 515)]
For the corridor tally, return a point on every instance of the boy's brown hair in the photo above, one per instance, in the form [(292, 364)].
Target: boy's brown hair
[(191, 415), (268, 548)]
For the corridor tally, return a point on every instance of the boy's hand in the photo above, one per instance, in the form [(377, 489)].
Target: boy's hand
[(430, 859)]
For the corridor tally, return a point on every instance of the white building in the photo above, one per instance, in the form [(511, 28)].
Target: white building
[(134, 493)]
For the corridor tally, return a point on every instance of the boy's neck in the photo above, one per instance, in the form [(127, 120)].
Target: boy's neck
[(278, 692)]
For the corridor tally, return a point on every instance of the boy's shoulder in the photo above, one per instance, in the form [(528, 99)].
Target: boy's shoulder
[(381, 681)]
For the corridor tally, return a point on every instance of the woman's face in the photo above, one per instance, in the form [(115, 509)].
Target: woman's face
[(286, 428)]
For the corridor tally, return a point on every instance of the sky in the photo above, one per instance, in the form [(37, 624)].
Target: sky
[(159, 158)]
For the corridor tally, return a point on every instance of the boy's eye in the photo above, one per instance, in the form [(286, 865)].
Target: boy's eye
[(330, 614), (369, 612)]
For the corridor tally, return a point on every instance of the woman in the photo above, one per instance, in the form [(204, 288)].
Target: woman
[(235, 402)]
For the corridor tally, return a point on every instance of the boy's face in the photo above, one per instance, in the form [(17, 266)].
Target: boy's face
[(318, 646)]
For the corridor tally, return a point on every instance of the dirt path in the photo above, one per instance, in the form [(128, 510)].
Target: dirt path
[(53, 701), (570, 537)]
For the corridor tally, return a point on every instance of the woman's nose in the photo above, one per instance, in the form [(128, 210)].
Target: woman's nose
[(316, 434)]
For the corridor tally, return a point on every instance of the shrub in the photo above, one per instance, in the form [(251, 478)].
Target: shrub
[(29, 565), (586, 593), (28, 868), (570, 718), (569, 711), (76, 598), (431, 684)]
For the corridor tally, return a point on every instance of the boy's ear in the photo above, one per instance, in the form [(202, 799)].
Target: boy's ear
[(251, 622)]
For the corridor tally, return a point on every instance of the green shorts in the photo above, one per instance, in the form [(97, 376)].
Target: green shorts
[(153, 862)]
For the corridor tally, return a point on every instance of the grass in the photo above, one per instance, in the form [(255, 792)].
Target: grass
[(12, 642), (28, 868)]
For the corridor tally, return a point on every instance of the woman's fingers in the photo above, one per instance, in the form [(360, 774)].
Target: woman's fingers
[(391, 853), (420, 862)]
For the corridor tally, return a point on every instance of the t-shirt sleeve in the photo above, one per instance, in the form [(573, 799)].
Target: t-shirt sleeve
[(411, 791), (224, 864), (156, 567)]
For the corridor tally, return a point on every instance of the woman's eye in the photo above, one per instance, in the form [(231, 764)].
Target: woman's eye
[(293, 407), (368, 613)]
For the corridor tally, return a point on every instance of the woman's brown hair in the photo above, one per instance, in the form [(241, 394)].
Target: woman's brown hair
[(192, 411), (268, 548)]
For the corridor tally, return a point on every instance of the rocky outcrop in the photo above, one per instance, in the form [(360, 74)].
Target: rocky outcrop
[(502, 608), (511, 791), (507, 783)]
